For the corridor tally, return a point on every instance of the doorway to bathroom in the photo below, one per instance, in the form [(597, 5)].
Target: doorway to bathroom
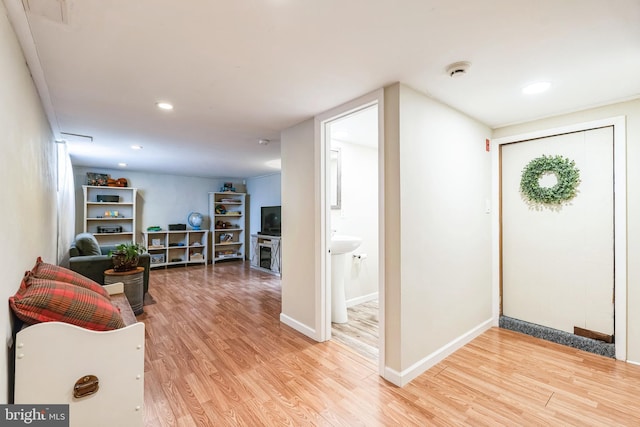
[(352, 173)]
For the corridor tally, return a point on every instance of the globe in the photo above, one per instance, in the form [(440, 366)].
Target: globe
[(195, 220)]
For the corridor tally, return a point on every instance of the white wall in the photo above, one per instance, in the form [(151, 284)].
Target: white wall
[(265, 191), (300, 249), (437, 234), (631, 110), (358, 216), (392, 227), (445, 246), (27, 171)]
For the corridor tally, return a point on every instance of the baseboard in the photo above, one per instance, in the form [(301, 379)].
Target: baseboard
[(361, 300), (300, 327), (405, 377)]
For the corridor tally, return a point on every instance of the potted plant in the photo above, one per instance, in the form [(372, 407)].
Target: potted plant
[(126, 255)]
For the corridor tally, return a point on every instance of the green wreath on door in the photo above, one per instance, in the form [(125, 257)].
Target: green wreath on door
[(567, 175)]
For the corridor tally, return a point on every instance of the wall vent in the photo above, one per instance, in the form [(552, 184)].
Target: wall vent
[(74, 137)]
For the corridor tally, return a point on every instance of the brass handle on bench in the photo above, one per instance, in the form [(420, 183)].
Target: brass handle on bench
[(86, 386)]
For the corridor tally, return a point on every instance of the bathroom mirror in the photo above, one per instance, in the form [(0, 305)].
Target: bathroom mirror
[(335, 166)]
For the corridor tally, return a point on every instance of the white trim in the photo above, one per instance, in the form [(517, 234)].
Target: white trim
[(322, 262), (300, 327), (620, 234), (620, 216), (406, 376), (323, 230), (571, 111), (362, 299), (381, 238)]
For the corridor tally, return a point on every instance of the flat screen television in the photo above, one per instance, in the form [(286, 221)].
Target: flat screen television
[(270, 220)]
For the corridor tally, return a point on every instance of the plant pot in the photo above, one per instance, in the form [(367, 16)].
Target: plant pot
[(122, 263)]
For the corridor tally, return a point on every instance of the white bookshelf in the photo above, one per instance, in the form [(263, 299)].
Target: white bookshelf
[(168, 248), (111, 222), (227, 211)]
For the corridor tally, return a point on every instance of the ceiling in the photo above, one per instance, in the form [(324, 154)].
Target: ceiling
[(239, 71)]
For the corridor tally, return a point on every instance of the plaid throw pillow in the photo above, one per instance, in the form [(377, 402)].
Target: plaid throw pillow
[(42, 270), (43, 300)]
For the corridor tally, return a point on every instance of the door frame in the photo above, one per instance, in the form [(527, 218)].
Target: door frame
[(619, 217), (323, 230)]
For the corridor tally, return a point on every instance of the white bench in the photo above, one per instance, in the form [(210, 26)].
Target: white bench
[(51, 357)]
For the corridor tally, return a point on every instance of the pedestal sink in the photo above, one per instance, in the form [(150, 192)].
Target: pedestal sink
[(341, 245)]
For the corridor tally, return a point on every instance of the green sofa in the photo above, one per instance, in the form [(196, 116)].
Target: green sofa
[(84, 260)]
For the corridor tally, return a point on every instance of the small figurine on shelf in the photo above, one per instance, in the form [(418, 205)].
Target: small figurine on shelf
[(228, 187), (220, 225)]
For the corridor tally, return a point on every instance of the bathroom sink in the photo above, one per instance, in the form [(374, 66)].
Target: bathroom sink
[(342, 243)]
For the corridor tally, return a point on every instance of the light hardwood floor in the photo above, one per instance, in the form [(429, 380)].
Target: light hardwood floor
[(360, 333), (217, 355)]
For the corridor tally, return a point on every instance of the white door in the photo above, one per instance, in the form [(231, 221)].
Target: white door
[(558, 264)]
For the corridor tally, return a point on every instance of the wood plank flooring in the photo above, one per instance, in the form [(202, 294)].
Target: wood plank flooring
[(360, 333), (217, 355)]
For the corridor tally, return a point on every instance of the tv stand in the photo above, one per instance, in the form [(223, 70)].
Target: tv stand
[(266, 253)]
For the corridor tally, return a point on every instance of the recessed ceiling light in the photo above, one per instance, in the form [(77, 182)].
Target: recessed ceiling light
[(122, 165), (164, 106), (136, 147), (537, 87)]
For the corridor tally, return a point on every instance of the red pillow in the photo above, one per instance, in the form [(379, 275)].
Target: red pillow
[(43, 300), (42, 270)]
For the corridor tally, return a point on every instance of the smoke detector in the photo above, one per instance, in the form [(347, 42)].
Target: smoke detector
[(264, 141), (458, 69)]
